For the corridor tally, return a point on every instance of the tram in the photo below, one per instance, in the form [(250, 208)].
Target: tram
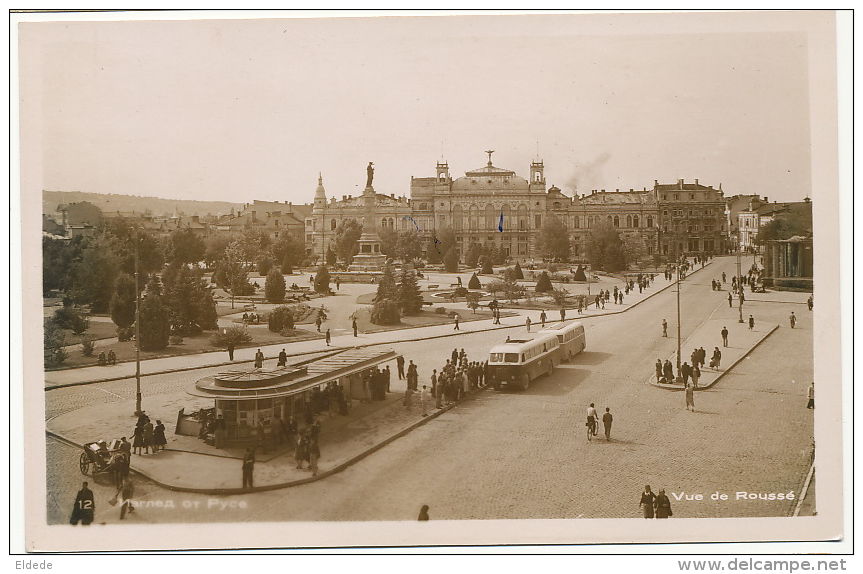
[(517, 362), (570, 336)]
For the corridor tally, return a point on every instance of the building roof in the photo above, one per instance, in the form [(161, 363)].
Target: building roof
[(618, 198)]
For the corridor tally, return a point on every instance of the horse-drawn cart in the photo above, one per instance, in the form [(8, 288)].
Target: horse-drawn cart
[(102, 457)]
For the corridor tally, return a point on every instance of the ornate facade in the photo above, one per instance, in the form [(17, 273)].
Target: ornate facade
[(495, 206)]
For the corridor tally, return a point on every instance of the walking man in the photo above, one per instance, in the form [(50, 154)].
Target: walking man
[(751, 322), (84, 507), (231, 351), (283, 359), (592, 419), (809, 405), (724, 336), (328, 337), (730, 299), (606, 423), (792, 319), (809, 302), (259, 359), (249, 468), (664, 328), (527, 323), (562, 314), (318, 323), (400, 365), (658, 369), (456, 323), (647, 500), (424, 400), (542, 318), (690, 398), (354, 325), (716, 358)]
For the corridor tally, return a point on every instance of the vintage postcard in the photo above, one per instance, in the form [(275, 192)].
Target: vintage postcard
[(430, 279)]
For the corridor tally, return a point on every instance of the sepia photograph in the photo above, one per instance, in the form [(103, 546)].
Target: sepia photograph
[(298, 280)]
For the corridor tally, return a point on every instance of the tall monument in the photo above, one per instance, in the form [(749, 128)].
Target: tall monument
[(369, 258)]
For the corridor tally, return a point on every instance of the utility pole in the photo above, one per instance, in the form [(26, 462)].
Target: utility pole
[(678, 317), (137, 330), (739, 283)]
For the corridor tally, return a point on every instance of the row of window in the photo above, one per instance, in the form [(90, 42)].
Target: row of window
[(689, 212)]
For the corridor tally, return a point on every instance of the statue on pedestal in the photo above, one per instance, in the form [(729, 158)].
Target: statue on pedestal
[(370, 174)]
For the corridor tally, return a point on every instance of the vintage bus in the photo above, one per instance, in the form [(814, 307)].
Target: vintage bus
[(519, 361), (571, 338)]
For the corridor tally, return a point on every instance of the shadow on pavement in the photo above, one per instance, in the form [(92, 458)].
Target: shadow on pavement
[(590, 358), (561, 382)]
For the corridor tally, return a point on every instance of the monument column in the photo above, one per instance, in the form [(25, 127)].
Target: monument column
[(369, 259)]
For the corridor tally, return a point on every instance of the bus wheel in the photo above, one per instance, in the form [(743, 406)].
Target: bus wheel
[(525, 382)]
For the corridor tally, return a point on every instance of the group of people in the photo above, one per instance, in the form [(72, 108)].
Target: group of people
[(458, 377), (109, 359), (593, 421), (251, 319), (655, 505), (147, 436)]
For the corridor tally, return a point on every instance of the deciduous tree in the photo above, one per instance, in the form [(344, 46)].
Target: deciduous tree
[(553, 239)]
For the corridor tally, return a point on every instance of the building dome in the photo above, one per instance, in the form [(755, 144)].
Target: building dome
[(320, 193), (490, 178)]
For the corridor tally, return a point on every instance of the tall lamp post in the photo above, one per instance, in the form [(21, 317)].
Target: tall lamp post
[(739, 282), (137, 330), (678, 315)]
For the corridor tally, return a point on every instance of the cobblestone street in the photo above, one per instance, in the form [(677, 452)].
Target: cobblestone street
[(525, 455)]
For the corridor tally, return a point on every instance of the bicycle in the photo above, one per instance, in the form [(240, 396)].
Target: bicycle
[(591, 429)]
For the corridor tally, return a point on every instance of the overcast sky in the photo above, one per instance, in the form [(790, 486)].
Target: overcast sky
[(239, 110)]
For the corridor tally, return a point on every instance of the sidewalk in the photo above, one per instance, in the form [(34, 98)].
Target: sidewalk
[(341, 339), (741, 341), (190, 465)]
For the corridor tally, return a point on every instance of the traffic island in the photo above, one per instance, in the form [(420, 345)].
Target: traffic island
[(742, 341)]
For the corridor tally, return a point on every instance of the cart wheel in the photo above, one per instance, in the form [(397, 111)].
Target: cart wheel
[(84, 463)]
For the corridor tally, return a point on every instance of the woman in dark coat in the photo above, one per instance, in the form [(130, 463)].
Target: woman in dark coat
[(148, 437), (647, 501), (424, 512), (663, 505), (137, 439), (159, 440)]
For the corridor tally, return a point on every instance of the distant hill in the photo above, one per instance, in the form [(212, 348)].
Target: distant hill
[(128, 203)]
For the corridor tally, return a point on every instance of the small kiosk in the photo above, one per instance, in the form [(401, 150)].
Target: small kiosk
[(247, 399)]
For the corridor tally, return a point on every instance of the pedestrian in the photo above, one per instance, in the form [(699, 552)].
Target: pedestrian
[(314, 455), (424, 513), (328, 337), (662, 505), (751, 322), (724, 333), (606, 423), (338, 283), (792, 319), (702, 356), (147, 441), (658, 369), (723, 276), (542, 318), (527, 323), (124, 495), (249, 468), (400, 365), (809, 405), (302, 451), (716, 358), (424, 399), (668, 370), (434, 382), (647, 501), (685, 372), (84, 506), (354, 325), (318, 323), (696, 374), (809, 302), (690, 397), (730, 299), (159, 440), (413, 376), (620, 298), (562, 314), (259, 359), (456, 328), (592, 419), (283, 358), (137, 439), (388, 376), (231, 351)]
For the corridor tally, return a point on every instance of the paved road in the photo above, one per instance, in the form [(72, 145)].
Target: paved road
[(524, 455)]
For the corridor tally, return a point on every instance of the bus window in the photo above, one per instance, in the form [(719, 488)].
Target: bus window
[(496, 357), (510, 358)]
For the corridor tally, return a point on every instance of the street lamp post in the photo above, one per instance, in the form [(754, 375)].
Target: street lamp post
[(678, 316), (739, 283), (137, 331)]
